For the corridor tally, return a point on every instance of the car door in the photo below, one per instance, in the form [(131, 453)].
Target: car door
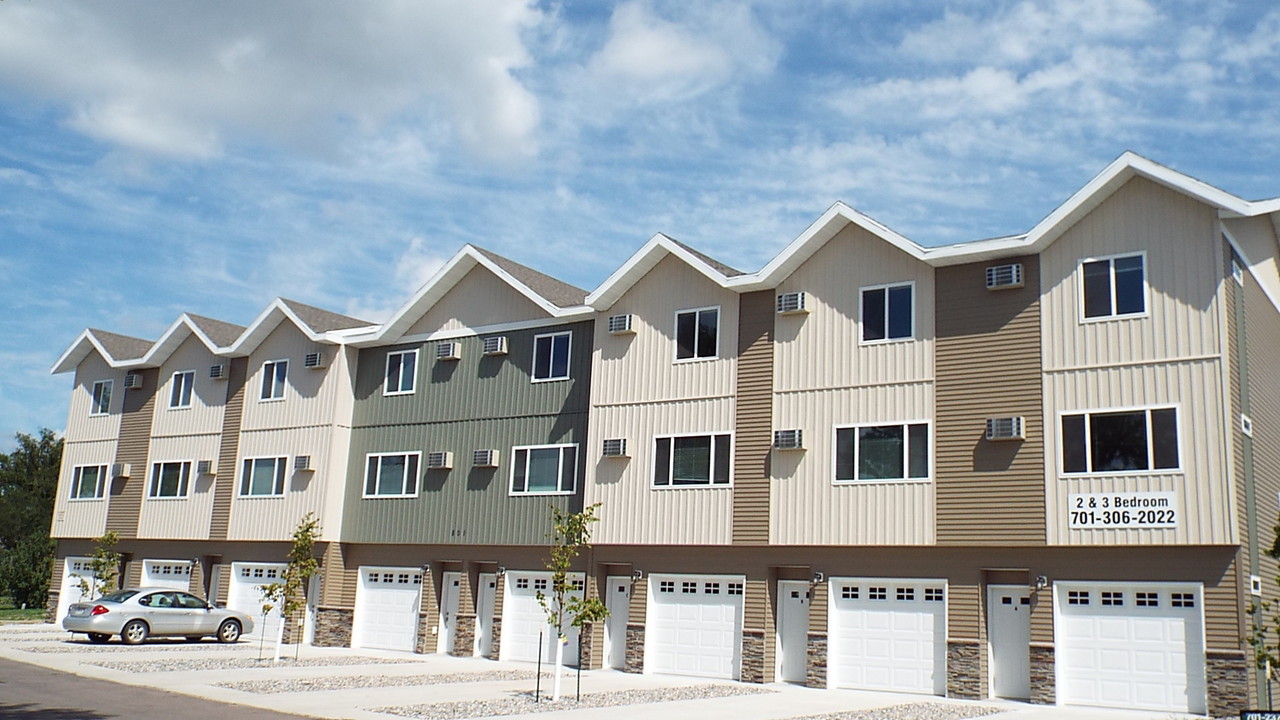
[(199, 619), (162, 613)]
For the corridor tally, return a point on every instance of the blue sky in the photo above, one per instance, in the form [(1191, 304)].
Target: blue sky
[(207, 157)]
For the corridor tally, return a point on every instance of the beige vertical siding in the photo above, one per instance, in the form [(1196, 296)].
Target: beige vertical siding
[(1262, 328), (809, 508), (478, 300), (229, 448), (309, 397), (274, 518), (1204, 492), (988, 365), (1182, 321), (208, 396), (632, 510), (135, 438), (81, 518), (81, 426), (339, 449), (754, 421), (821, 348), (641, 367), (185, 518)]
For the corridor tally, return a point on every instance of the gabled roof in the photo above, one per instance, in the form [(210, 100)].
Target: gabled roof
[(214, 334), (314, 322), (555, 298), (221, 334), (647, 257), (117, 350)]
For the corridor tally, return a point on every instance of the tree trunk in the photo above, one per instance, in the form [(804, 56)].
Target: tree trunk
[(561, 640)]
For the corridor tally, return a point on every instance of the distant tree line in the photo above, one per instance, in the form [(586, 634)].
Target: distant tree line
[(28, 481)]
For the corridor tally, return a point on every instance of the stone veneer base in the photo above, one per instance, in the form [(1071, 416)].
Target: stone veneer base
[(964, 670), (816, 661), (333, 627), (635, 649), (1043, 678), (752, 656), (1226, 676)]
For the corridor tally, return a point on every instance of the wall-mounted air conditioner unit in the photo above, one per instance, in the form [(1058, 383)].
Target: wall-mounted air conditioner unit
[(791, 303), (439, 460), (206, 467), (217, 372), (495, 345), (449, 351), (484, 458), (615, 447), (788, 439), (619, 324), (121, 470), (133, 381), (301, 463), (1004, 428), (313, 360), (1002, 277)]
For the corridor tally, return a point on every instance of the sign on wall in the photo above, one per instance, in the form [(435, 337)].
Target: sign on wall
[(1123, 510)]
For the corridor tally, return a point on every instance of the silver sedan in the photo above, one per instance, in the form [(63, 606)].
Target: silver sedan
[(138, 613)]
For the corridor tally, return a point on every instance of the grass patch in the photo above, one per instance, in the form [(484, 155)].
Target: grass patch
[(9, 613)]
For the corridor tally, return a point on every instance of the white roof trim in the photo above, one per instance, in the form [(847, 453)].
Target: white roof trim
[(644, 260), (266, 323), (173, 338), (79, 350)]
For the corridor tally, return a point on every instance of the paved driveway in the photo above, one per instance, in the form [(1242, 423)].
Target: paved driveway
[(377, 685)]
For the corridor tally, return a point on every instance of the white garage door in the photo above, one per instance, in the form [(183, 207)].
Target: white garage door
[(172, 574), (887, 634), (243, 594), (1126, 645), (73, 569), (523, 619), (387, 602), (694, 625)]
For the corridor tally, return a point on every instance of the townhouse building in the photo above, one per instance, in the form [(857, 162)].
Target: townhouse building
[(1039, 467)]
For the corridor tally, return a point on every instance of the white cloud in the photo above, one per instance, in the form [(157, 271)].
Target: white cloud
[(411, 270)]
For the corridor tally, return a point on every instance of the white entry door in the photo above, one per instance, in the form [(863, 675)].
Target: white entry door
[(386, 614), (450, 590), (486, 596), (244, 594), (793, 630), (887, 634), (694, 625), (73, 570), (618, 601), (524, 620), (1009, 631), (172, 574)]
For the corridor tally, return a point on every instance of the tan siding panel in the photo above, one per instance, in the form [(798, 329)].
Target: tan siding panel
[(135, 438), (81, 518), (208, 396), (754, 420), (184, 518), (81, 426), (478, 300), (229, 448)]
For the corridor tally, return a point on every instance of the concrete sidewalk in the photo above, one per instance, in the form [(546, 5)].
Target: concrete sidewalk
[(342, 683)]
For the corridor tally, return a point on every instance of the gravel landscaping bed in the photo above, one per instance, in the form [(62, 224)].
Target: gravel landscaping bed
[(83, 646), (524, 704), (35, 638), (149, 666), (912, 711), (351, 682)]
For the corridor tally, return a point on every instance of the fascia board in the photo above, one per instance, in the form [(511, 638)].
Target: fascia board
[(77, 352), (639, 265), (174, 337), (261, 327), (436, 287)]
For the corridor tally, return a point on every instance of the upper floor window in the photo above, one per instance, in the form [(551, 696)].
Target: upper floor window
[(543, 469), (691, 460), (882, 452), (697, 333), (551, 356), (391, 475), (180, 389), (1120, 442), (888, 313), (263, 476), (274, 373), (170, 479), (101, 403), (1113, 286), (88, 481), (402, 372)]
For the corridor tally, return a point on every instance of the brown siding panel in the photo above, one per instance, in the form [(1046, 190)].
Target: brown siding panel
[(228, 450), (988, 364), (754, 419), (125, 504)]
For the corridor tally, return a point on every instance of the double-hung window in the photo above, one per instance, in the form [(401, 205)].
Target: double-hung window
[(88, 481), (402, 372), (551, 356), (1120, 442), (882, 452), (274, 373), (170, 479), (391, 475), (888, 313), (101, 403), (180, 389), (1113, 286), (263, 476), (691, 460), (543, 469), (697, 333)]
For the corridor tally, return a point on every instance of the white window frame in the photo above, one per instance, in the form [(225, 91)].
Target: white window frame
[(95, 399), (906, 452), (559, 447), (413, 381), (77, 477), (1113, 315), (886, 287), (269, 381), (1088, 441), (671, 458), (182, 386), (184, 480), (417, 479), (279, 483), (568, 359), (696, 312)]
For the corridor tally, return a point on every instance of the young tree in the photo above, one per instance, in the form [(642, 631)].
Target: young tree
[(104, 567), (28, 481), (570, 535), (290, 594)]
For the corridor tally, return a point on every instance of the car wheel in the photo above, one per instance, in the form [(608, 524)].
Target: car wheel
[(134, 632), (229, 631), (98, 638)]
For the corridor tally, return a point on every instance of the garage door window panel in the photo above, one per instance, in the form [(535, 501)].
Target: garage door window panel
[(1131, 441), (544, 469), (391, 475), (692, 461)]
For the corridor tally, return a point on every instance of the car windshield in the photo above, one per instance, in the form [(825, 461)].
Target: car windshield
[(119, 596)]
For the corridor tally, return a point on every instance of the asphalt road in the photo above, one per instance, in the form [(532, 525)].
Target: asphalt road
[(30, 692)]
